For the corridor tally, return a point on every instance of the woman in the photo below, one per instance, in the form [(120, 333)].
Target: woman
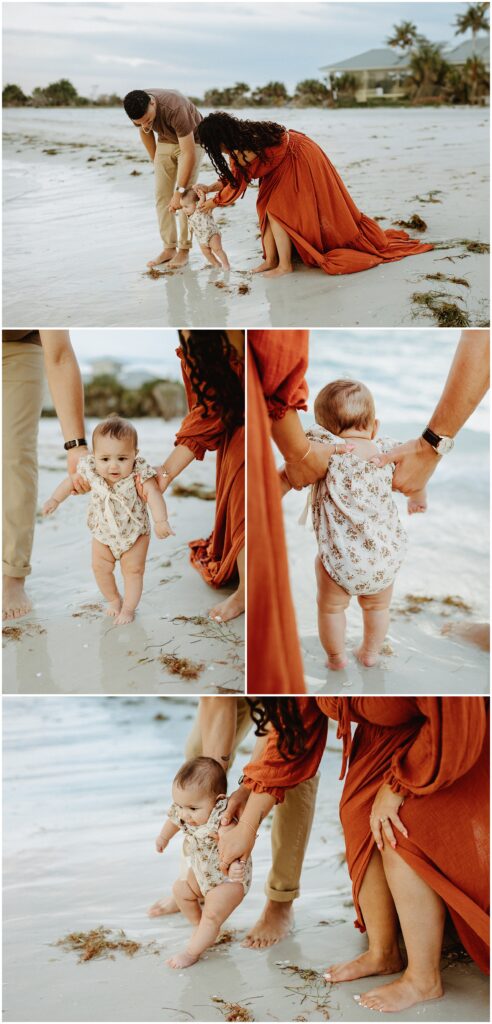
[(302, 201), (212, 364), (414, 814)]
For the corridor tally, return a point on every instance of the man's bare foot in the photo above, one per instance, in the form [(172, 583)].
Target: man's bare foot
[(275, 924), (181, 258), (114, 607), (279, 271), (15, 600), (228, 609), (477, 633), (164, 257), (163, 907), (336, 662), (266, 265), (366, 657), (125, 616), (365, 965), (401, 994), (181, 960)]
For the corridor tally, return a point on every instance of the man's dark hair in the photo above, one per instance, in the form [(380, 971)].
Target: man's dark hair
[(136, 103)]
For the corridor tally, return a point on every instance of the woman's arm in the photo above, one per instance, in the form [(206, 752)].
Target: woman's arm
[(305, 461), (67, 392), (237, 843), (177, 461)]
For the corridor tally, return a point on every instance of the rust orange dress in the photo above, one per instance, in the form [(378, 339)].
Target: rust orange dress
[(435, 752), (277, 363), (202, 430), (302, 190)]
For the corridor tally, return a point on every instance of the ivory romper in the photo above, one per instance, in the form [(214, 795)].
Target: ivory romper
[(203, 226), (361, 541), (116, 516), (201, 847)]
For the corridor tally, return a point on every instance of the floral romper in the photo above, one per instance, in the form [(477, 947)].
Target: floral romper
[(203, 226), (361, 541), (201, 847), (117, 516)]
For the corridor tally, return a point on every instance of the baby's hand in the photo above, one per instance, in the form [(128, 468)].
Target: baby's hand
[(163, 529), (285, 486), (160, 844), (417, 503), (236, 871), (50, 506)]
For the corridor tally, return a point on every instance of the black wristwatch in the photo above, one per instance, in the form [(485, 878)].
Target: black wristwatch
[(80, 442), (441, 445)]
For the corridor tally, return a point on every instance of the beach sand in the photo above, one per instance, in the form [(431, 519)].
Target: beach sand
[(87, 785), (70, 646), (79, 211)]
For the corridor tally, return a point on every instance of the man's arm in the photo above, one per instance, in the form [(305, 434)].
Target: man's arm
[(67, 392), (186, 163), (148, 139), (217, 718)]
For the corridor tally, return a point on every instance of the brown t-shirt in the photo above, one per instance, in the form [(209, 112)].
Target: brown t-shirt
[(25, 335), (176, 115)]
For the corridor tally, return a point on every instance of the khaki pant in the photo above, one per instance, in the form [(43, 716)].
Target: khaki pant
[(166, 171), (292, 820), (22, 403)]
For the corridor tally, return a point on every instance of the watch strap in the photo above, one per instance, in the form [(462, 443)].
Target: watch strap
[(431, 438), (79, 442)]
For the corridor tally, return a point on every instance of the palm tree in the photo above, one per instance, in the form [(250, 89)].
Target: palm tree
[(477, 79), (428, 70), (404, 36), (474, 20)]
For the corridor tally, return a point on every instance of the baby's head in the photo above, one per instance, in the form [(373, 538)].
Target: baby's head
[(197, 787), (189, 200), (345, 406), (115, 447)]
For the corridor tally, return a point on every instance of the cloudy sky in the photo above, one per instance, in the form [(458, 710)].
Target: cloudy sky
[(115, 47)]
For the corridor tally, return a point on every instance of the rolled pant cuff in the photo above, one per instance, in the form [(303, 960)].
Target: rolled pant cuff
[(15, 571), (281, 895)]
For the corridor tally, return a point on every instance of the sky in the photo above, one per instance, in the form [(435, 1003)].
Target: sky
[(116, 47)]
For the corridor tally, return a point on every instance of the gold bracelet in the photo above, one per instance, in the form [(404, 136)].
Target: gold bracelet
[(255, 833), (288, 462)]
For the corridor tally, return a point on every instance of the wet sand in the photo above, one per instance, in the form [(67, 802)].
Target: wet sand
[(69, 645), (80, 854), (79, 210)]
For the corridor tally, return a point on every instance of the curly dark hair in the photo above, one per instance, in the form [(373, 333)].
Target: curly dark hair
[(221, 129), (283, 714), (208, 355)]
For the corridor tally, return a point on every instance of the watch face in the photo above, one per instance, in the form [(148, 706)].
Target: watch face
[(445, 445)]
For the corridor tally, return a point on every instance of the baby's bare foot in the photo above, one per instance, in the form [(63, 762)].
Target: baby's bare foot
[(126, 615), (336, 662), (114, 607), (163, 907), (416, 506), (366, 657), (181, 960)]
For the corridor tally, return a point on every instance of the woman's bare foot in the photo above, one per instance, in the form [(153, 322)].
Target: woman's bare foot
[(275, 924), (163, 907), (181, 258), (401, 994), (477, 633), (15, 600), (114, 607), (164, 257), (228, 609), (181, 960), (366, 658), (125, 616), (279, 271), (262, 267), (365, 965), (336, 662)]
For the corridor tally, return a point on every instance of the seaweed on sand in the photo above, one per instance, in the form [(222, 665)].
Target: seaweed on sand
[(446, 314), (183, 667), (415, 222), (313, 987), (243, 289), (232, 1011), (430, 197), (480, 247), (224, 937), (99, 943), (194, 491), (196, 620), (17, 632), (450, 280)]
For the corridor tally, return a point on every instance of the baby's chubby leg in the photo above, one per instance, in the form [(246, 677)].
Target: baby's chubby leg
[(103, 562), (209, 256), (218, 251), (375, 613), (218, 905), (133, 568), (332, 602)]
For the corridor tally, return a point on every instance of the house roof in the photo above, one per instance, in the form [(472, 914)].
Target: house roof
[(385, 58)]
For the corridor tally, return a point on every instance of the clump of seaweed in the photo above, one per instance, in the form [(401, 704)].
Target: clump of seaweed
[(314, 987), (183, 667), (232, 1011), (415, 222), (99, 943), (196, 620), (194, 491), (135, 174), (243, 289), (86, 611), (480, 247), (456, 602), (12, 632), (445, 277), (446, 314), (430, 197), (226, 936)]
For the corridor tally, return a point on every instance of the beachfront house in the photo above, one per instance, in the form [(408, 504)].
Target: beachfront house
[(382, 73)]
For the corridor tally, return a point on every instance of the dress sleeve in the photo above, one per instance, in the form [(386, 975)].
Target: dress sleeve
[(230, 193), (86, 468), (273, 774), (202, 430), (174, 816), (282, 359), (143, 468), (448, 744)]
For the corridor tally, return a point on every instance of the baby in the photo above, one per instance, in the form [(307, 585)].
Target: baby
[(199, 801), (361, 542), (117, 516), (205, 230)]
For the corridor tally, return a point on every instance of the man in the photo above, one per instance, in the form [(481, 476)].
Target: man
[(176, 157)]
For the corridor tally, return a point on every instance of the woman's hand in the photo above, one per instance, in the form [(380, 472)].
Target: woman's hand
[(201, 190), (206, 205), (315, 464), (235, 844), (384, 814)]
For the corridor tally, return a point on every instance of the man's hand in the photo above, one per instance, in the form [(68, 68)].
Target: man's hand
[(415, 462), (235, 806), (79, 484)]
